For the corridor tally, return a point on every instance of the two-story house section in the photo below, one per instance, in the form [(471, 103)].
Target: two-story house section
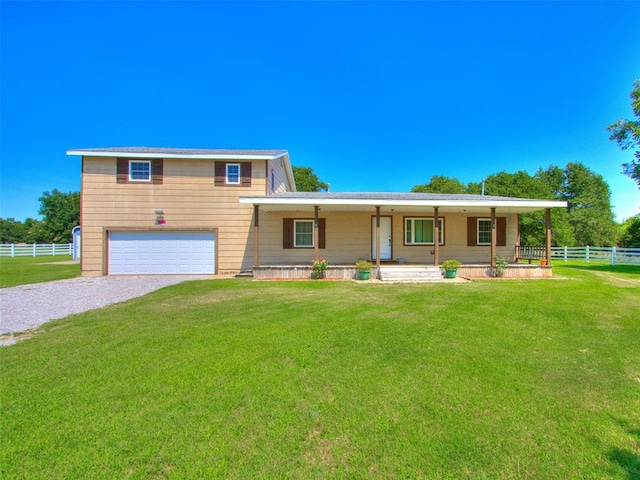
[(173, 210)]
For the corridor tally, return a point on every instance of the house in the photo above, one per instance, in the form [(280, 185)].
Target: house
[(172, 210)]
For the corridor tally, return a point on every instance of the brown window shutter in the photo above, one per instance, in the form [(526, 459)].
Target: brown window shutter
[(322, 224), (220, 173), (157, 171), (287, 233), (122, 170), (501, 231), (472, 231), (245, 174)]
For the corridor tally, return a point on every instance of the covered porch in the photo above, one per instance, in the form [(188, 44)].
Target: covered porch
[(291, 230)]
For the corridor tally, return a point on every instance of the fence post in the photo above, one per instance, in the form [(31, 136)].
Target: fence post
[(587, 254), (613, 256), (54, 249), (565, 254), (13, 250), (34, 249)]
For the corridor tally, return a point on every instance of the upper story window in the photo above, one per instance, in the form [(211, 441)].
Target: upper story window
[(421, 231), (139, 171), (233, 174), (484, 231)]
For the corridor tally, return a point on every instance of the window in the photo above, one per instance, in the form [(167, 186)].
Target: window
[(273, 180), (233, 173), (420, 231), (303, 236), (139, 171), (484, 231), (298, 233)]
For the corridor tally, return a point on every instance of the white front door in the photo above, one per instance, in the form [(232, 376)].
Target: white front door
[(385, 238)]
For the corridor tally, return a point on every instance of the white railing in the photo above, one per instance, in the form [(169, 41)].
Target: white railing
[(35, 249), (612, 255)]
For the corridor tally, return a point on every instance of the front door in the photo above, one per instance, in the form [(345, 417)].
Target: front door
[(385, 238)]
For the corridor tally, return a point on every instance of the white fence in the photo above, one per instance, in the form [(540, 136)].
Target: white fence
[(35, 249), (612, 255)]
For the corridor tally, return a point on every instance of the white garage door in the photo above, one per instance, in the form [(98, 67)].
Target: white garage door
[(163, 252)]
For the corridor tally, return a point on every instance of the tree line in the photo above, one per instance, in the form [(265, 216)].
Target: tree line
[(588, 219), (60, 213)]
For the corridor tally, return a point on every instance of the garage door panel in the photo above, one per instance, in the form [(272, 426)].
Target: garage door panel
[(163, 252)]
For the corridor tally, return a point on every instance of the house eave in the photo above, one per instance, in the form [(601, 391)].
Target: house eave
[(196, 156), (351, 204)]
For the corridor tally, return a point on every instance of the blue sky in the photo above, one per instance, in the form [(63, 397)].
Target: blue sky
[(374, 96)]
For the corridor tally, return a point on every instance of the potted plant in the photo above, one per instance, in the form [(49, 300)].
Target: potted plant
[(318, 269), (450, 268), (363, 267), (501, 265)]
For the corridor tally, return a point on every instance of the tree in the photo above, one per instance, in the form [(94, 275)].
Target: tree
[(307, 181), (589, 203), (627, 134), (12, 231), (630, 235), (441, 184), (61, 212)]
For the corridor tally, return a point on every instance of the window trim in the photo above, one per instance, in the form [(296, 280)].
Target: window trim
[(144, 180), (478, 242), (226, 174), (296, 222), (418, 244)]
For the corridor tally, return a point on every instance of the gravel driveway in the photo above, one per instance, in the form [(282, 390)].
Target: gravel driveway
[(29, 306)]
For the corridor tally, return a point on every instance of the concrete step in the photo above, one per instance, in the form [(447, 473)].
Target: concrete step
[(245, 274), (410, 274)]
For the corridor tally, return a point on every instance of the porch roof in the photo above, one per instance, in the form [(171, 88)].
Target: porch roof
[(365, 201)]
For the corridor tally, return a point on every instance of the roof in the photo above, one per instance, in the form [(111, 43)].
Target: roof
[(361, 201), (197, 153)]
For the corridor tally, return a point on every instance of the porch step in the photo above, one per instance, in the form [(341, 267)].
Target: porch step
[(245, 274), (410, 274)]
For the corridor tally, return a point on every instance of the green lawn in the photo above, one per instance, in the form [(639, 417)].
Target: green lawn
[(239, 379), (23, 270)]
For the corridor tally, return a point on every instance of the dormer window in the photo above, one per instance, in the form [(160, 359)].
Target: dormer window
[(139, 171)]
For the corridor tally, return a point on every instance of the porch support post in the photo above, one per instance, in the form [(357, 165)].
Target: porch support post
[(547, 221), (436, 238), (256, 235), (494, 236), (378, 238), (316, 237)]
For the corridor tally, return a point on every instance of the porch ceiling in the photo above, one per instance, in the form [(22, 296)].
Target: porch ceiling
[(401, 202)]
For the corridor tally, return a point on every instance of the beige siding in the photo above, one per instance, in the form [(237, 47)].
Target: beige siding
[(280, 184), (349, 237), (188, 198)]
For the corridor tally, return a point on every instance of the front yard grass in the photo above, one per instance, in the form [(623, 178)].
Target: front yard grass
[(240, 379), (23, 270)]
